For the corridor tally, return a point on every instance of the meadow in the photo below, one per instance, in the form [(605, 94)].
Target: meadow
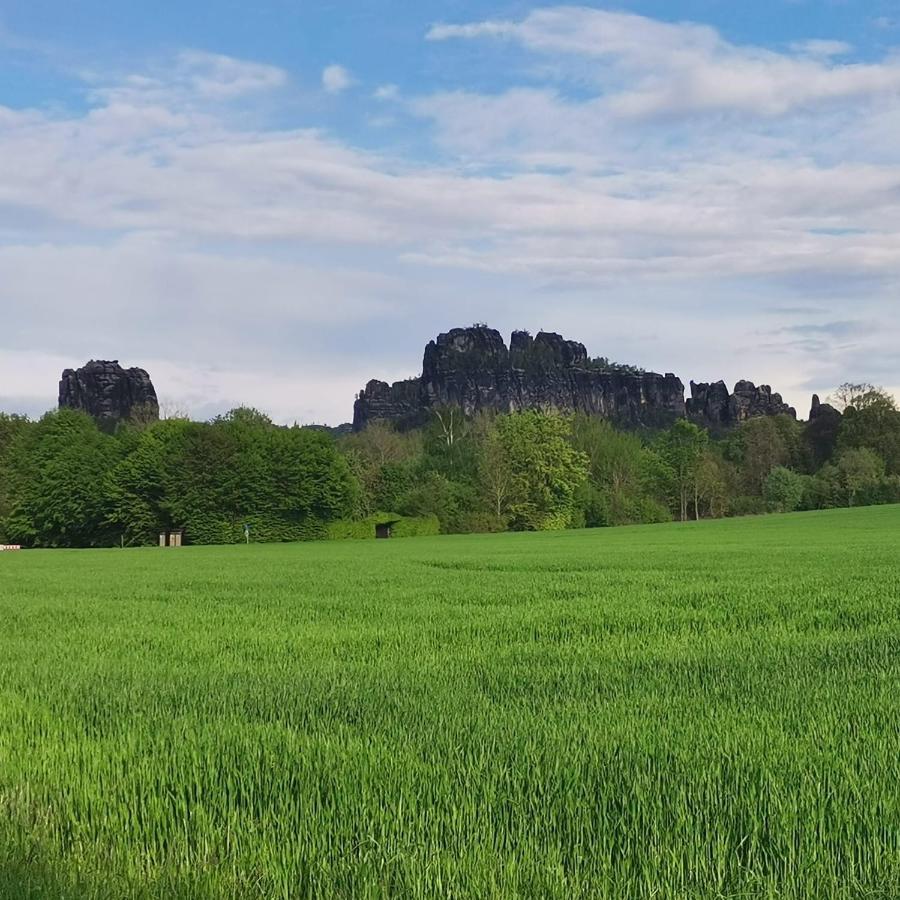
[(709, 710)]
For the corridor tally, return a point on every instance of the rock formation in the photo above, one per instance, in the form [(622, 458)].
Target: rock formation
[(379, 401), (710, 403), (109, 393), (820, 410), (472, 368), (714, 406), (822, 431)]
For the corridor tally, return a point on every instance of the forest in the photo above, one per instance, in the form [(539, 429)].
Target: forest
[(66, 483)]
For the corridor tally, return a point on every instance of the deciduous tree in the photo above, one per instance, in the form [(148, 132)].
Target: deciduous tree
[(682, 447), (546, 469)]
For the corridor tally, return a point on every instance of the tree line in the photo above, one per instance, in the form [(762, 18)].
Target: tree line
[(65, 483)]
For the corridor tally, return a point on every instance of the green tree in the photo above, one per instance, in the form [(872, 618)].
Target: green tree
[(757, 447), (245, 482), (58, 474), (211, 479), (434, 494), (11, 429), (859, 470), (824, 489), (497, 477), (621, 488), (546, 469), (451, 443), (711, 484), (783, 489), (856, 395), (140, 486), (379, 447), (11, 426), (311, 483), (873, 422), (682, 446)]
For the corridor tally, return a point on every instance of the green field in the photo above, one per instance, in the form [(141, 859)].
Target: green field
[(707, 710)]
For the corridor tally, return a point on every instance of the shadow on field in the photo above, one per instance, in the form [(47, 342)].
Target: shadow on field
[(26, 875)]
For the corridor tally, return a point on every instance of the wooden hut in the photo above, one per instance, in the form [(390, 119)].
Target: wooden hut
[(385, 529)]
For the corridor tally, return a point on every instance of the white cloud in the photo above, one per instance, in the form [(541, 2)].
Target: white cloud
[(220, 77), (653, 68), (192, 78), (823, 49), (386, 92), (443, 32), (336, 79)]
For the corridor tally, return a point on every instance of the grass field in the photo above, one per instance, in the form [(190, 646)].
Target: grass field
[(709, 710)]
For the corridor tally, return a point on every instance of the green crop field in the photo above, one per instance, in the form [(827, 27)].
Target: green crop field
[(707, 710)]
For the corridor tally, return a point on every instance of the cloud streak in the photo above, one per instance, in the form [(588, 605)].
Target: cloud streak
[(654, 68)]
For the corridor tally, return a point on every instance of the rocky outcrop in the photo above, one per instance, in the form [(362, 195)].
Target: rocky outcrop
[(822, 431), (749, 401), (710, 403), (472, 368), (109, 393), (820, 410), (400, 402), (714, 406)]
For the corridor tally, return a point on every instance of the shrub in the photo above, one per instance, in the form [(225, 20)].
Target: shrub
[(783, 490), (748, 506), (404, 526)]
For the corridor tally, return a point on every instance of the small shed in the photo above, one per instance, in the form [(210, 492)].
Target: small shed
[(385, 529), (171, 538)]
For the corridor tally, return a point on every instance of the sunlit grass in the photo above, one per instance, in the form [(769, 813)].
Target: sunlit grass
[(710, 710)]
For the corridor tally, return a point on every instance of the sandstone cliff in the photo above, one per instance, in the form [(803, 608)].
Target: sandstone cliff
[(712, 404), (109, 393), (822, 431), (472, 368)]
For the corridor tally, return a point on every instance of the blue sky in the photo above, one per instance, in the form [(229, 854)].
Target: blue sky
[(270, 203)]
